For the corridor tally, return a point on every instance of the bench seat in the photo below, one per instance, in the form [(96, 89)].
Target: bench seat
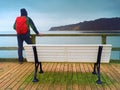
[(67, 53)]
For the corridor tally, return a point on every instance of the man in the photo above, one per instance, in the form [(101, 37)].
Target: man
[(23, 31)]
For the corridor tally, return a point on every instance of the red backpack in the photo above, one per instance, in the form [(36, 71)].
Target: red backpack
[(21, 25)]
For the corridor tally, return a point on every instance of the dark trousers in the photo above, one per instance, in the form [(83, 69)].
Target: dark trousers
[(21, 38)]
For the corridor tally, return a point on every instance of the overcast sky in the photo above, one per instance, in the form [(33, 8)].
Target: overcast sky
[(49, 13)]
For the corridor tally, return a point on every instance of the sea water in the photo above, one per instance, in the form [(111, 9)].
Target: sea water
[(11, 41)]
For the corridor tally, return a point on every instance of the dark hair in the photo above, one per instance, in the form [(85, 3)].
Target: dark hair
[(23, 12)]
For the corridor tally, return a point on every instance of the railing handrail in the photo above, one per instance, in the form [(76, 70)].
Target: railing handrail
[(103, 38), (69, 34)]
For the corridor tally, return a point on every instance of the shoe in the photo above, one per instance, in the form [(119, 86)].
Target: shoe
[(20, 62)]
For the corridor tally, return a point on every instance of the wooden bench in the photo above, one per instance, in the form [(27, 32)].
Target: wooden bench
[(91, 53)]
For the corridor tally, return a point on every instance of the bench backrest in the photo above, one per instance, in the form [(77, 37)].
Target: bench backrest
[(67, 53)]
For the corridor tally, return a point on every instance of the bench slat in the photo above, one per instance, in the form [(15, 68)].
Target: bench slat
[(68, 53)]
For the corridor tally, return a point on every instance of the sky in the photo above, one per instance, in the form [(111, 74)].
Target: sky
[(49, 13)]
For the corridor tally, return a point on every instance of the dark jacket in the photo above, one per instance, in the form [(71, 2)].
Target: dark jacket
[(29, 22)]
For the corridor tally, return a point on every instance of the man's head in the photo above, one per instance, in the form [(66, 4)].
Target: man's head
[(23, 12)]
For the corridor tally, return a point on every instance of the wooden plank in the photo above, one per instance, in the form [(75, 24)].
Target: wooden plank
[(58, 86), (18, 82), (5, 66), (75, 86), (12, 76), (53, 70), (117, 76), (7, 76), (88, 87), (110, 74), (61, 70), (81, 71), (69, 77)]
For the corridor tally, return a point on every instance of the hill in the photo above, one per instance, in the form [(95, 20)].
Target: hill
[(98, 24)]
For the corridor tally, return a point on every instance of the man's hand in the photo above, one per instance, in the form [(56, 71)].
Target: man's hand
[(40, 34)]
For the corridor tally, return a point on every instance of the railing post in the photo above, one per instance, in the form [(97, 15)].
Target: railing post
[(103, 39), (33, 37)]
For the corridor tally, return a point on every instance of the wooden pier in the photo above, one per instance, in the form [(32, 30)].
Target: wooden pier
[(58, 76)]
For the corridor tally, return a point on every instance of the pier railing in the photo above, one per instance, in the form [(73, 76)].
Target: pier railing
[(33, 36)]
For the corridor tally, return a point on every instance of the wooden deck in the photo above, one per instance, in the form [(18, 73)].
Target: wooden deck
[(58, 76)]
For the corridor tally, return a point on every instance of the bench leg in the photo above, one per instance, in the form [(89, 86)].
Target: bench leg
[(97, 65), (94, 71), (35, 72), (41, 71), (36, 64), (36, 69), (98, 70)]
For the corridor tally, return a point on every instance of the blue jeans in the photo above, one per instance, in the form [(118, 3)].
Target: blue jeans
[(21, 38)]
